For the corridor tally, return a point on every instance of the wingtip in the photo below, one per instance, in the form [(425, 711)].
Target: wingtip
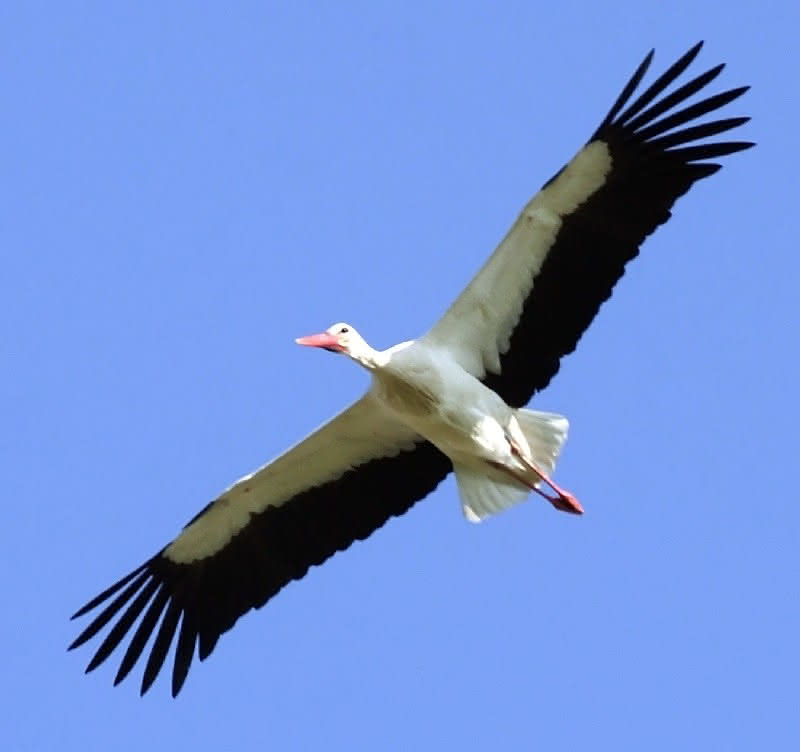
[(147, 682), (125, 667), (83, 610), (83, 637), (688, 57), (646, 62)]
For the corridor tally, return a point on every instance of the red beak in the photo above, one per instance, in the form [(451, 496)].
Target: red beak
[(324, 340)]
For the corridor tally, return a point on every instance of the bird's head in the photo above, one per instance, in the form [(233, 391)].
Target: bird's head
[(339, 338)]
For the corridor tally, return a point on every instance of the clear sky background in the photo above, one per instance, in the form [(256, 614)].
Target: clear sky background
[(188, 186)]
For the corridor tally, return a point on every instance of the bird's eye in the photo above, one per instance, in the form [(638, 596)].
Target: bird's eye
[(344, 330)]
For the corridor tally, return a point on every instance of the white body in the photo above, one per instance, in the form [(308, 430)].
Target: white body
[(420, 385), (427, 390)]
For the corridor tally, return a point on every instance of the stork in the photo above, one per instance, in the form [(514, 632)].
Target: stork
[(451, 400)]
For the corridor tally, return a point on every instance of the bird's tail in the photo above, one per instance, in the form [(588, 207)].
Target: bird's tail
[(545, 434), (486, 490)]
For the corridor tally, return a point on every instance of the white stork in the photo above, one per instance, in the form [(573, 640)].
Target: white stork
[(451, 400)]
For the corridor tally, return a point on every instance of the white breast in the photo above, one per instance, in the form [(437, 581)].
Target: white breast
[(430, 392)]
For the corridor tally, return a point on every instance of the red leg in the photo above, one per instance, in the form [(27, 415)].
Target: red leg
[(564, 500)]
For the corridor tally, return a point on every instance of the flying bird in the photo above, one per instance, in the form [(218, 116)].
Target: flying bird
[(450, 401)]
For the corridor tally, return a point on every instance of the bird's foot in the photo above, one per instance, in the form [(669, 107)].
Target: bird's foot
[(565, 502)]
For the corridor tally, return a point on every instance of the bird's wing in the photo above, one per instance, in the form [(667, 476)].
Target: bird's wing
[(337, 486), (539, 291)]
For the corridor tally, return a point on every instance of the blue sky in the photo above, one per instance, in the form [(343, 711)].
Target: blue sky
[(188, 188)]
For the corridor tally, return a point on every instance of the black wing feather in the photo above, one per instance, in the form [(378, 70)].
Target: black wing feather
[(661, 83), (679, 95), (142, 633), (124, 623), (278, 545), (604, 233)]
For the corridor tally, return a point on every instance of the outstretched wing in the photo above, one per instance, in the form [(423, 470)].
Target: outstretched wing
[(337, 486), (539, 291)]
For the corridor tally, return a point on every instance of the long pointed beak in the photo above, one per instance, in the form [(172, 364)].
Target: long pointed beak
[(328, 341)]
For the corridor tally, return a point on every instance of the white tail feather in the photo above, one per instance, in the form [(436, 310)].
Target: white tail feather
[(483, 496), (545, 434), (486, 491)]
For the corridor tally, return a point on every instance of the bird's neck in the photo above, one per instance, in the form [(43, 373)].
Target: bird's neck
[(369, 358), (377, 360)]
